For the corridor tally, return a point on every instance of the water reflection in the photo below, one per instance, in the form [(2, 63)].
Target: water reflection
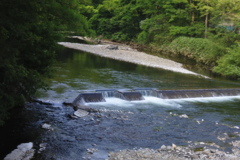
[(76, 68)]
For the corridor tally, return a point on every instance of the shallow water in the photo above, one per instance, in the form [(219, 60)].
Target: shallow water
[(122, 124)]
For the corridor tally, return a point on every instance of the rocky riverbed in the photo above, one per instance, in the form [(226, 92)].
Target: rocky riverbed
[(126, 134)]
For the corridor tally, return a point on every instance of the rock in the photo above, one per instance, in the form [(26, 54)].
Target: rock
[(81, 113), (84, 107), (236, 127), (163, 147), (42, 147), (91, 150), (112, 47), (24, 151), (174, 147), (169, 147), (47, 126), (194, 156), (183, 116)]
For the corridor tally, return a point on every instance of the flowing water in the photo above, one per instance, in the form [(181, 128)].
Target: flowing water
[(127, 124)]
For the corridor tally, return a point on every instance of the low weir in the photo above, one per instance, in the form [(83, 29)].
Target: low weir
[(87, 96)]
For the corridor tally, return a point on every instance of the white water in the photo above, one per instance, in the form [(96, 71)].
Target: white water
[(154, 101)]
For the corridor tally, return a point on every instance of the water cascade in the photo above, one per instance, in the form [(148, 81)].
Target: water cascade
[(89, 97), (177, 94), (129, 95), (138, 94)]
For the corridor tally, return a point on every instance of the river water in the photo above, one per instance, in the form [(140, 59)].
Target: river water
[(122, 124)]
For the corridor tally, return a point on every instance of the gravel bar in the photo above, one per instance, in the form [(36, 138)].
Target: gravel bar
[(127, 54)]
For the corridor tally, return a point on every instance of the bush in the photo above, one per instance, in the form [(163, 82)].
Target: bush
[(143, 37), (229, 64), (201, 50)]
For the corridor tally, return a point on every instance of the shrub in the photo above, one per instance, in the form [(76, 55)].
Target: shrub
[(201, 50), (229, 64)]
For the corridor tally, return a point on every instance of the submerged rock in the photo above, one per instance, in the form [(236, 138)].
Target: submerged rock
[(24, 151)]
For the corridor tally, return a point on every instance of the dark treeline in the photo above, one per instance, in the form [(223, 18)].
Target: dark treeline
[(206, 31), (29, 31)]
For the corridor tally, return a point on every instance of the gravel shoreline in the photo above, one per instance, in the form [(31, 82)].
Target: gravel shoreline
[(127, 54), (173, 153)]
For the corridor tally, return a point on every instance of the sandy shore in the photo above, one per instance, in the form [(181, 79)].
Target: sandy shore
[(125, 53)]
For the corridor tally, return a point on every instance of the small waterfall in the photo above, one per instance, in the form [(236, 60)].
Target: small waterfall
[(146, 91), (129, 95), (88, 97), (138, 93), (107, 93), (177, 94)]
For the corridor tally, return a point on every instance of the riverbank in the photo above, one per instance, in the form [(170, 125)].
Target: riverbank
[(127, 54)]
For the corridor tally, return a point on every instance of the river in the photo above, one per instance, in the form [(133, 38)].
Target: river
[(122, 124)]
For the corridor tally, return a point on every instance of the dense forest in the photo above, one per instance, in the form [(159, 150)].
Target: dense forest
[(206, 31)]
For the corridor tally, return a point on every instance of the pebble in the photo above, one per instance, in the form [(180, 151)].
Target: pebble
[(174, 152)]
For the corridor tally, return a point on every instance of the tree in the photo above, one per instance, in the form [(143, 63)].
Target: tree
[(117, 20), (28, 36)]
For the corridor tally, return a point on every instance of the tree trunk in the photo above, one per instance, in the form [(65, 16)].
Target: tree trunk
[(206, 25), (193, 17)]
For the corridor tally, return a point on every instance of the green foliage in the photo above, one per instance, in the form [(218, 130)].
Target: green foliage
[(117, 20), (229, 64), (199, 49), (143, 37), (195, 30), (154, 30), (29, 31), (178, 26)]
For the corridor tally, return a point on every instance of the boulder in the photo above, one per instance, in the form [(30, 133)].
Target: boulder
[(24, 151)]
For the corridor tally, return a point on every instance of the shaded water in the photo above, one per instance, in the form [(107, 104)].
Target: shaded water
[(123, 124)]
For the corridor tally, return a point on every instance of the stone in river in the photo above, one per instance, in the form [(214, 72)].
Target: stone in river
[(80, 113)]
